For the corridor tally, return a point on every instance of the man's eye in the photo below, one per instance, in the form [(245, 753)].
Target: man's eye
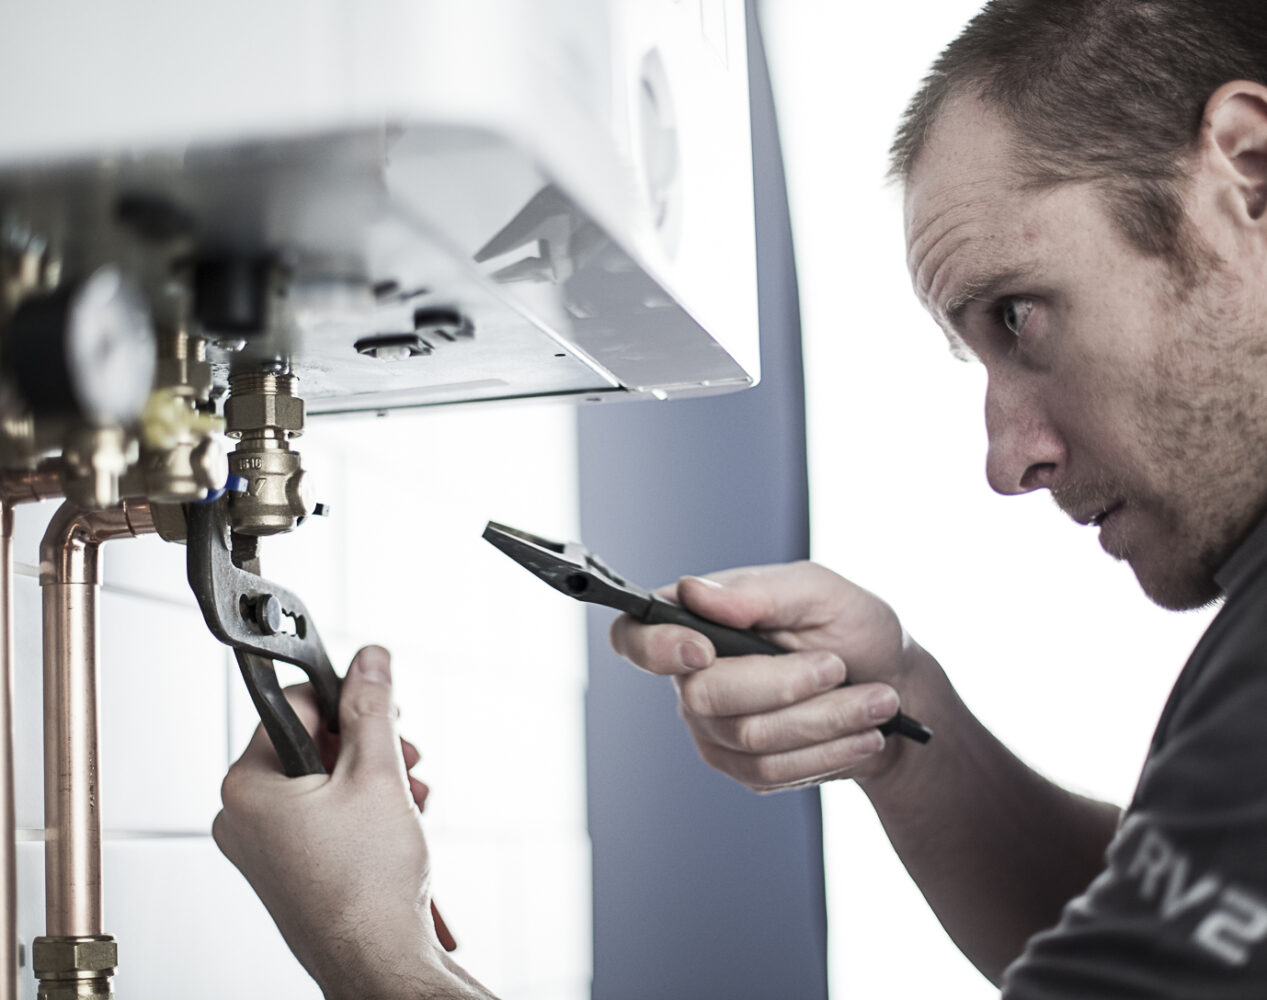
[(1014, 313)]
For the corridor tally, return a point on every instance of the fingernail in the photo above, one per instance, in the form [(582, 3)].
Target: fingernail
[(829, 671), (705, 581), (871, 742), (374, 663), (883, 706), (693, 656)]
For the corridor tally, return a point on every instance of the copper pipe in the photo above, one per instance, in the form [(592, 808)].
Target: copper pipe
[(15, 488), (69, 577)]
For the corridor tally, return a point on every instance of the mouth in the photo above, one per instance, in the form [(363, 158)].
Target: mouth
[(1096, 518)]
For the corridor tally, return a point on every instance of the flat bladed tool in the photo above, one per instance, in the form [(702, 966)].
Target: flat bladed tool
[(571, 568)]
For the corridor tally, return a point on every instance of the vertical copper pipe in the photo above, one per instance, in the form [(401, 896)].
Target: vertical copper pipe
[(72, 821), (15, 488), (69, 579)]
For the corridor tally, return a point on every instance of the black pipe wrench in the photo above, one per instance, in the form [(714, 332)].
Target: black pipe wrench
[(262, 622)]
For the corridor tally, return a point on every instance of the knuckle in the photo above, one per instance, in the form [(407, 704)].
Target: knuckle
[(793, 686), (697, 696), (842, 717), (373, 702), (751, 733)]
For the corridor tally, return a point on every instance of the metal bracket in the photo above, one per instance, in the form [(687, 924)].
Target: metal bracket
[(243, 610)]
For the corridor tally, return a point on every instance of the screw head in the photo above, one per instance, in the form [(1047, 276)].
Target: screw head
[(267, 611)]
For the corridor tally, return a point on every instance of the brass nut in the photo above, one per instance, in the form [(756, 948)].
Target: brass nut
[(256, 411), (54, 956)]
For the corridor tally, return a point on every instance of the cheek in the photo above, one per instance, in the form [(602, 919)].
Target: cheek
[(1103, 406)]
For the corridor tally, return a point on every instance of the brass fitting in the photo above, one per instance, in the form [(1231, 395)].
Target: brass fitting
[(75, 968), (182, 458), (266, 409), (182, 364), (96, 460), (264, 413)]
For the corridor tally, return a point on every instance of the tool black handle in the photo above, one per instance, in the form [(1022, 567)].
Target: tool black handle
[(295, 747), (738, 642)]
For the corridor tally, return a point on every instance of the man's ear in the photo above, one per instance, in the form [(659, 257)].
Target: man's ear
[(1236, 139)]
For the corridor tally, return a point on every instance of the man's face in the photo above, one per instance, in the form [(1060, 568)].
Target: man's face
[(1140, 405)]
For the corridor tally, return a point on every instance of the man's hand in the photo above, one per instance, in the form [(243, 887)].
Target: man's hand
[(774, 722), (339, 859)]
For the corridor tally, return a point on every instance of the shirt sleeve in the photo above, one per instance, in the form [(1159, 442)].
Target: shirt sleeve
[(1180, 910)]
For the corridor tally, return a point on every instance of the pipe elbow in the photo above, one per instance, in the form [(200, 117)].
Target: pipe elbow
[(68, 551)]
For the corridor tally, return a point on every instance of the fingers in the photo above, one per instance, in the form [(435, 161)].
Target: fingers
[(442, 930), (419, 791), (743, 684), (259, 754), (661, 649), (822, 719), (765, 597), (367, 717), (780, 599), (796, 768), (784, 722), (675, 649), (366, 695), (411, 754)]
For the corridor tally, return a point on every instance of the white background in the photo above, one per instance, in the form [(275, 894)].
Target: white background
[(1051, 643)]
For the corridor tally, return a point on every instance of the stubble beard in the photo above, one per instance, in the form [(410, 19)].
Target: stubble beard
[(1203, 420)]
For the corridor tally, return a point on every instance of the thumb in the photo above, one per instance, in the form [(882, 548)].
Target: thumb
[(368, 738), (736, 599)]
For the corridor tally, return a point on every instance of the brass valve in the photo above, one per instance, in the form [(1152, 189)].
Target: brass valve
[(263, 412), (182, 457)]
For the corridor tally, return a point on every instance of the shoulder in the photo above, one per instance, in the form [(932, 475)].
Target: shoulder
[(1181, 906)]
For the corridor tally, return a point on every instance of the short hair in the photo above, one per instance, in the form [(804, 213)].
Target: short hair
[(1107, 92)]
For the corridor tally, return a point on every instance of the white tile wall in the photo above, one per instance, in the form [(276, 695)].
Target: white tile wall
[(490, 674)]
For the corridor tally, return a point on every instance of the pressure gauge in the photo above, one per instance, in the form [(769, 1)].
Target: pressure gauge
[(87, 351)]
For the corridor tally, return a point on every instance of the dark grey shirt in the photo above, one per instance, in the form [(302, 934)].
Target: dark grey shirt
[(1181, 908)]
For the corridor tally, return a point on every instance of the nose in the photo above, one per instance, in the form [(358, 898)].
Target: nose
[(1026, 453)]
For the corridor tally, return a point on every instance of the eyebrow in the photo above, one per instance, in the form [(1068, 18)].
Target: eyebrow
[(981, 288)]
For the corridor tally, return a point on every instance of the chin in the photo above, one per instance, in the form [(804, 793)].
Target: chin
[(1174, 589)]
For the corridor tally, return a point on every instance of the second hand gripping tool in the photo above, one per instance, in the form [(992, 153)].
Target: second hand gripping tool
[(249, 614), (571, 568)]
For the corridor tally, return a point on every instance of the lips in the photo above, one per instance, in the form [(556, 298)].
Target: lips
[(1096, 516), (1104, 515)]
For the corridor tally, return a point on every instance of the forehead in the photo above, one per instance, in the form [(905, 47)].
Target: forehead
[(968, 218)]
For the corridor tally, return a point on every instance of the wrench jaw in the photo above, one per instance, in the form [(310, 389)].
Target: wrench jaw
[(569, 568), (244, 610)]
